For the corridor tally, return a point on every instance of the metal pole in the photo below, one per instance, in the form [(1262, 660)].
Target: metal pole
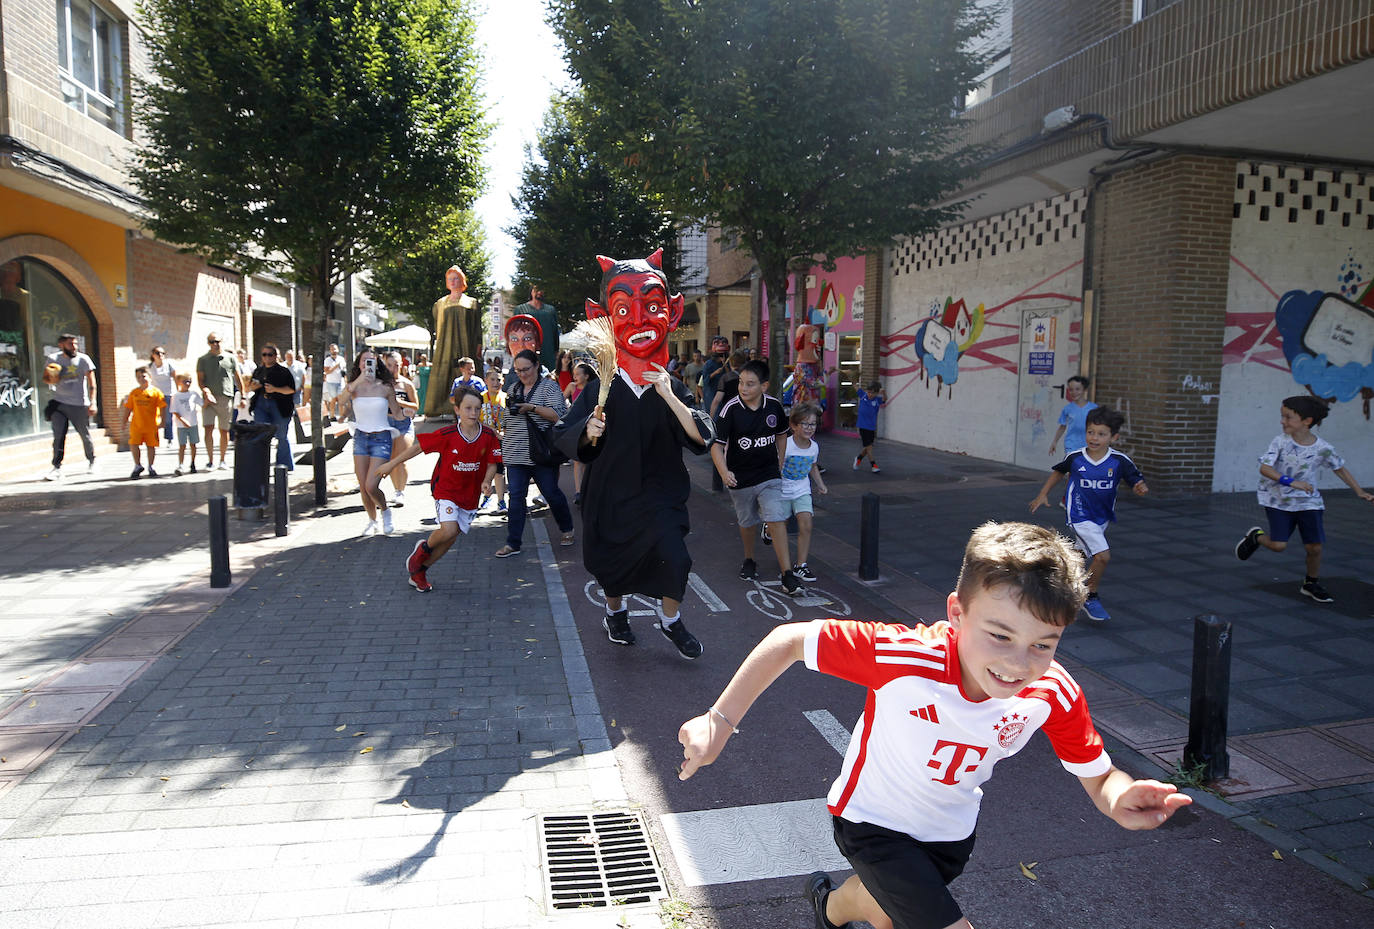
[(280, 503), (1211, 695), (219, 542), (868, 537), (320, 476)]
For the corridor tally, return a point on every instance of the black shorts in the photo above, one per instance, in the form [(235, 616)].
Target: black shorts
[(906, 876), (866, 436)]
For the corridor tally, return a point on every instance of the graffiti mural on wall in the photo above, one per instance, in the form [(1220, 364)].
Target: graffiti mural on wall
[(1324, 338), (952, 339)]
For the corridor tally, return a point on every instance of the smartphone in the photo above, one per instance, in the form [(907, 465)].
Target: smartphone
[(370, 366)]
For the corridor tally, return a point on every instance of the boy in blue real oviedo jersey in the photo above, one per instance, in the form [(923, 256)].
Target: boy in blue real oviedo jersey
[(1093, 473)]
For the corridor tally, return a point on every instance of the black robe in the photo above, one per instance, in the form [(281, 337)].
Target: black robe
[(634, 489)]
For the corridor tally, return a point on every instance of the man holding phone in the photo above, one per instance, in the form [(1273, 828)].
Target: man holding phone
[(274, 392)]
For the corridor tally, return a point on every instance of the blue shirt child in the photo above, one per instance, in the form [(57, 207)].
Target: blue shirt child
[(868, 410), (1091, 493), (1075, 420)]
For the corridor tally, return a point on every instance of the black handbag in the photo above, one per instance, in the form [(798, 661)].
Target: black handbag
[(542, 451)]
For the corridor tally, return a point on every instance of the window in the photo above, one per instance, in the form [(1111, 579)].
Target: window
[(1143, 8), (90, 53)]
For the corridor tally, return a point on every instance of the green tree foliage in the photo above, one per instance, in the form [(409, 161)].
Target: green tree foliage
[(319, 137), (411, 283), (573, 205), (814, 129)]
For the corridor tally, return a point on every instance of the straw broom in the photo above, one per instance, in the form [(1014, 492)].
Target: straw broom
[(600, 342)]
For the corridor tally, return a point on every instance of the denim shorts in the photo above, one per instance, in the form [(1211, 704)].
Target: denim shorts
[(406, 426), (372, 445), (187, 435)]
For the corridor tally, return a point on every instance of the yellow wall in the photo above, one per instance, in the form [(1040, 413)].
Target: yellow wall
[(100, 243)]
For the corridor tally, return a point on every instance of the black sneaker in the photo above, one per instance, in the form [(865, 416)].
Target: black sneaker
[(818, 887), (617, 626), (1250, 544), (804, 573), (749, 570), (686, 643), (765, 535), (790, 585), (1316, 591)]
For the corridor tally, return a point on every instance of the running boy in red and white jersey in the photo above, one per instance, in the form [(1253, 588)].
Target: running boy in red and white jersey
[(946, 702), (468, 455)]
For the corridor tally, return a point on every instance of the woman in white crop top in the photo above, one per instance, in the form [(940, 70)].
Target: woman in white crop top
[(371, 394)]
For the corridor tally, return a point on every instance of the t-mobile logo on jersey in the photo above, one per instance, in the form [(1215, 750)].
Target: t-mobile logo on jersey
[(954, 766)]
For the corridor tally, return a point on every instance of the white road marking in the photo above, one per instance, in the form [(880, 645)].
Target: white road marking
[(707, 595), (830, 728)]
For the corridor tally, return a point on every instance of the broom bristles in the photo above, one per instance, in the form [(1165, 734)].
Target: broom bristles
[(600, 342)]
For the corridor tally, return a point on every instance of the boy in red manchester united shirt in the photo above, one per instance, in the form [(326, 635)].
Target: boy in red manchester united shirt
[(468, 455), (945, 703)]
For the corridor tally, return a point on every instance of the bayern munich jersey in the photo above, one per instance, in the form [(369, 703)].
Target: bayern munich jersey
[(922, 750), (1091, 494)]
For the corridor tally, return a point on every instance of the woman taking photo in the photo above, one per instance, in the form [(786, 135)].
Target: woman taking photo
[(533, 403), (409, 401), (371, 391)]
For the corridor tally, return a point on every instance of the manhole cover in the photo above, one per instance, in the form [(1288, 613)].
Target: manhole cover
[(598, 859)]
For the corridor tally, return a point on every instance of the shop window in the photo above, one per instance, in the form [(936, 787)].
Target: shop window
[(847, 407), (36, 306), (90, 54)]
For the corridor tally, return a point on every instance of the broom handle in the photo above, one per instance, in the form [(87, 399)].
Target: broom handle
[(596, 412)]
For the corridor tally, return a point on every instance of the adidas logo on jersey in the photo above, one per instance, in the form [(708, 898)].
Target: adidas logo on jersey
[(927, 713)]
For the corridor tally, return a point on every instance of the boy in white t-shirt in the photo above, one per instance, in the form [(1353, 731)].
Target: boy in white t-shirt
[(797, 457), (185, 407), (945, 703)]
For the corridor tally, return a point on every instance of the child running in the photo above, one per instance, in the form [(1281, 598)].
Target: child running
[(744, 453), (185, 409), (1073, 419), (905, 804), (1288, 489), (1093, 473), (871, 400), (797, 460), (468, 455), (143, 415)]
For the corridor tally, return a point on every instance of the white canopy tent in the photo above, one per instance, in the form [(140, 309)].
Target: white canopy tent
[(416, 337)]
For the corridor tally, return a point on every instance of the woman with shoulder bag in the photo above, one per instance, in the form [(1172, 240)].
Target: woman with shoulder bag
[(535, 403)]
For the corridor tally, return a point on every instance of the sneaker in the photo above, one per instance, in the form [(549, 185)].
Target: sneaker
[(818, 887), (856, 467), (749, 570), (617, 626), (875, 469), (54, 475), (178, 472), (501, 505), (790, 585), (804, 573), (400, 499), (1250, 543), (1095, 610), (223, 465), (686, 643), (1316, 591), (371, 528), (420, 581), (151, 472), (416, 561), (137, 473), (765, 535), (387, 526), (90, 466), (193, 469), (482, 504)]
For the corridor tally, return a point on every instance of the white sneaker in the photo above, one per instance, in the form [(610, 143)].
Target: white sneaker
[(399, 499), (54, 475), (370, 528), (222, 466), (387, 527)]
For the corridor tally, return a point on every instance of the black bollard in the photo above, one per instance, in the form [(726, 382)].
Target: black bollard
[(280, 502), (320, 477), (868, 537), (1211, 695), (219, 542)]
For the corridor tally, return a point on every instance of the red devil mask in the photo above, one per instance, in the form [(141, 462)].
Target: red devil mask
[(523, 332), (634, 294)]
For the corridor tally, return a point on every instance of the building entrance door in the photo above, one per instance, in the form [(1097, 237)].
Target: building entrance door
[(1049, 356)]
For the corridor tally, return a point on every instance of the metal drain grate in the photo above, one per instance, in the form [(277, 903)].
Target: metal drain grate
[(598, 859)]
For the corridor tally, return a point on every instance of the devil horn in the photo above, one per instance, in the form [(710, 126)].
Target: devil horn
[(606, 263), (656, 260)]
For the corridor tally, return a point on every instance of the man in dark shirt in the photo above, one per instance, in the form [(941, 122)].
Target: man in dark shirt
[(274, 391), (745, 454)]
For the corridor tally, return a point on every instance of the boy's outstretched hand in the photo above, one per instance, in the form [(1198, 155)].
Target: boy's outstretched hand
[(702, 739), (1147, 804)]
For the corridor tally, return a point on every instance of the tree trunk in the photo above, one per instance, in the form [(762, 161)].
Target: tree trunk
[(775, 279), (319, 302)]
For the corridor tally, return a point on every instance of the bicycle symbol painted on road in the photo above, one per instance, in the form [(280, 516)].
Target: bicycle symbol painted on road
[(766, 596)]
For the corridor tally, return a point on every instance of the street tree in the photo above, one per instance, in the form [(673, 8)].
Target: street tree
[(574, 203), (810, 129), (411, 282), (314, 138)]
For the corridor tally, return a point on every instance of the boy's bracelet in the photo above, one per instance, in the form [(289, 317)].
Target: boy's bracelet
[(1285, 479), (725, 719)]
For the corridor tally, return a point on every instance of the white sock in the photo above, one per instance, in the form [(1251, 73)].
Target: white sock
[(666, 621)]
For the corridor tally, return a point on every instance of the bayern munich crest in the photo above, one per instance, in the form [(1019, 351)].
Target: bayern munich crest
[(1009, 729)]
